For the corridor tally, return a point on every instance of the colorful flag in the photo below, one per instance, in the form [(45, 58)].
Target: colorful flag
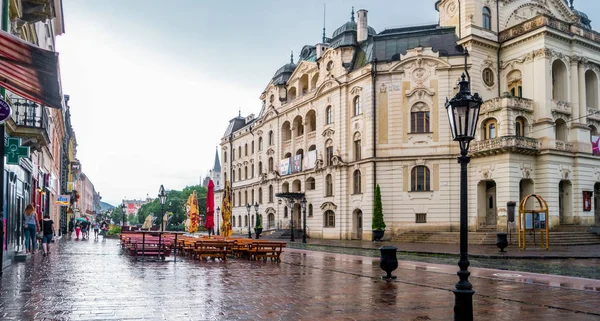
[(226, 211), (194, 215)]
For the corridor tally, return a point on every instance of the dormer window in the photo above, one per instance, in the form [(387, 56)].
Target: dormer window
[(486, 18)]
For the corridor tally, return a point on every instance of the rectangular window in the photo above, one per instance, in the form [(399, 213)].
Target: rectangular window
[(329, 219), (421, 218), (420, 122), (329, 151), (357, 149)]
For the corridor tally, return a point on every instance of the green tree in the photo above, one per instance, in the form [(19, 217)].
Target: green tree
[(378, 223), (116, 215)]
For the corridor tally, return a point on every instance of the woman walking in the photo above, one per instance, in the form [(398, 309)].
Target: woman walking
[(48, 233), (30, 226), (77, 230)]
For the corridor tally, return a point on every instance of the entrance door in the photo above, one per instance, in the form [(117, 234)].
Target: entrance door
[(271, 224), (296, 216), (597, 204), (357, 224), (490, 197), (564, 203)]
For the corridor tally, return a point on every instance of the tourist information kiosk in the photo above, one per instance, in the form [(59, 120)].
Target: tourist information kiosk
[(532, 221)]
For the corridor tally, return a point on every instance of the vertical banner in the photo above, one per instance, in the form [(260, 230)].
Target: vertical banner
[(296, 163), (284, 167), (310, 160)]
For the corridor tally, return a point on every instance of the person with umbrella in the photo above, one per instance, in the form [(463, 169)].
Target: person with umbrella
[(78, 227)]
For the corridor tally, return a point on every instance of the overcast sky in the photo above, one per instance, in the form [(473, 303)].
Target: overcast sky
[(153, 83)]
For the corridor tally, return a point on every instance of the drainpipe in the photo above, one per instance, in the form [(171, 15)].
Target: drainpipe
[(373, 85), (459, 21), (499, 44)]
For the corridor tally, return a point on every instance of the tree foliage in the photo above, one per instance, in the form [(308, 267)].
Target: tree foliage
[(378, 223), (174, 203)]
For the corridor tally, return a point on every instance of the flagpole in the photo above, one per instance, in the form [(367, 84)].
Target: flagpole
[(2, 133)]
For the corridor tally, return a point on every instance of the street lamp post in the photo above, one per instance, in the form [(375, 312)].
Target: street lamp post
[(249, 223), (256, 210), (463, 113), (123, 210), (303, 202), (163, 197), (218, 227)]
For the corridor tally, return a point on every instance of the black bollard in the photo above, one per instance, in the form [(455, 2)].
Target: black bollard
[(388, 261), (501, 241)]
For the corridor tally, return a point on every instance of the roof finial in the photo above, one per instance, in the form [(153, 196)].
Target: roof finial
[(352, 17), (292, 57), (324, 37), (240, 112), (572, 7)]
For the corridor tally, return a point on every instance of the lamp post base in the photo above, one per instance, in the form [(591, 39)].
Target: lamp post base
[(463, 304)]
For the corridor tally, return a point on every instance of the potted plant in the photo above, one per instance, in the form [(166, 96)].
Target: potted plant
[(258, 226), (378, 225)]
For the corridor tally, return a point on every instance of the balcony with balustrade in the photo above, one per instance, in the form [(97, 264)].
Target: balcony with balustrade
[(29, 120), (505, 144)]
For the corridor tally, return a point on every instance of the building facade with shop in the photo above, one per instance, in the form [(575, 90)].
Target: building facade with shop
[(366, 108)]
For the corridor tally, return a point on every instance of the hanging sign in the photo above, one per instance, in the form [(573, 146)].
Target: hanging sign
[(14, 151), (5, 111), (63, 200)]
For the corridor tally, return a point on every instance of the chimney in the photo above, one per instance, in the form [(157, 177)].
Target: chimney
[(321, 48), (362, 32)]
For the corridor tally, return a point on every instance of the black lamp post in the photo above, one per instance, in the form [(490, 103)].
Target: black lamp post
[(248, 206), (303, 202), (218, 226), (463, 113), (163, 197), (123, 210)]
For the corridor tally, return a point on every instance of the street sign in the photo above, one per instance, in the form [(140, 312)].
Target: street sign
[(63, 200), (5, 110), (14, 151)]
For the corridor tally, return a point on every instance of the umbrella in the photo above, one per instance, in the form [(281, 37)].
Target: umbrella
[(81, 219), (210, 207)]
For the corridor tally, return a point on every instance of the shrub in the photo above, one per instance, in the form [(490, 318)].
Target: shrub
[(378, 223)]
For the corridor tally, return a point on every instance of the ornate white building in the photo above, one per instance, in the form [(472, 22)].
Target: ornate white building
[(364, 108)]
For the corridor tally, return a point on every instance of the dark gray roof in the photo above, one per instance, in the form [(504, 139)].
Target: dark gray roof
[(283, 74), (217, 167), (346, 34), (234, 125), (391, 43)]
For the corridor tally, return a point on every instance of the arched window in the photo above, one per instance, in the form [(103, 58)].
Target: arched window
[(328, 185), (519, 127), (490, 129), (561, 130), (239, 220), (329, 219), (311, 121), (270, 164), (487, 18), (260, 195), (246, 150), (420, 179), (246, 220), (310, 210), (260, 171), (270, 138), (240, 151), (357, 182), (260, 144), (329, 152), (245, 172), (285, 210), (310, 183), (270, 193), (419, 118), (488, 77), (286, 131), (357, 106), (329, 115), (285, 187), (559, 81), (239, 198), (252, 149), (357, 146), (239, 174), (225, 157), (515, 83), (233, 154), (252, 170), (298, 126), (233, 222), (252, 198), (232, 199), (591, 89), (245, 197), (233, 178)]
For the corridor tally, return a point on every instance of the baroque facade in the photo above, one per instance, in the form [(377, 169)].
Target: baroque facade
[(363, 108)]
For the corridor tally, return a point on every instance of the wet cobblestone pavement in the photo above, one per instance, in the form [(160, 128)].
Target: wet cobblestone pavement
[(90, 280)]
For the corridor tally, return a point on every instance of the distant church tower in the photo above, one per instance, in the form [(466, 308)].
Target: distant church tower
[(215, 173)]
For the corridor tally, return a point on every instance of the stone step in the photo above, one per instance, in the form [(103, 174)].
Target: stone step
[(489, 238)]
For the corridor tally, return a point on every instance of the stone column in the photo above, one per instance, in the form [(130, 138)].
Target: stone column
[(582, 97), (574, 90)]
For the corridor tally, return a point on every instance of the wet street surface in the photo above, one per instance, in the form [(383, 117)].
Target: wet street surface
[(89, 280)]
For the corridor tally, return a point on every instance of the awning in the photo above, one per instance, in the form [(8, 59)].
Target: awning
[(29, 71)]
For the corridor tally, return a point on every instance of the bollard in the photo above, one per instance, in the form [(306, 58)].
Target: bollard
[(388, 261), (501, 241)]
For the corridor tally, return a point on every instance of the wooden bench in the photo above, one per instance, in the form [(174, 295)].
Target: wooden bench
[(265, 250), (150, 249), (214, 249)]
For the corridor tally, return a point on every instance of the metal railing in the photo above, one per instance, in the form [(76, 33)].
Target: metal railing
[(27, 113)]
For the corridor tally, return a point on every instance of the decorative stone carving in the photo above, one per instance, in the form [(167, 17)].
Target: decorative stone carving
[(270, 151), (356, 90), (451, 9), (328, 206), (382, 88), (565, 171), (328, 133), (526, 170), (420, 92)]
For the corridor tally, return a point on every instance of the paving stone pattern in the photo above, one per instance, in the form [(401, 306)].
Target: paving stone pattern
[(89, 280)]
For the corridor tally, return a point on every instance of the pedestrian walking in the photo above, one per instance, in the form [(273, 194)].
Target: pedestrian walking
[(77, 230), (30, 227), (71, 226), (96, 230), (104, 228), (47, 233)]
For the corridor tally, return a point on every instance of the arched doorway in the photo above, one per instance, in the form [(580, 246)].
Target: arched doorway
[(271, 221), (526, 187), (296, 215), (486, 203), (597, 204), (565, 203), (357, 224)]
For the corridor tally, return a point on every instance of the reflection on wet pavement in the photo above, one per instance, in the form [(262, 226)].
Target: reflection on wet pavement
[(94, 281)]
